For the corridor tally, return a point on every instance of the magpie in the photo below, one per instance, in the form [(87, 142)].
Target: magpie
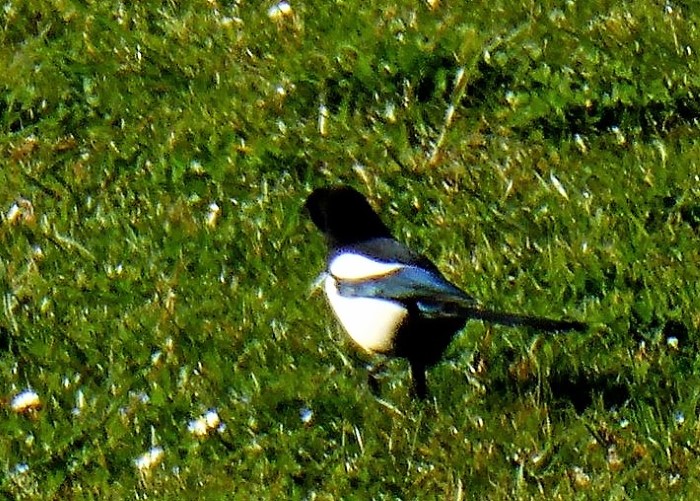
[(390, 299)]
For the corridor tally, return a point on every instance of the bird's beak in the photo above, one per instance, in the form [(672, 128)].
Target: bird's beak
[(318, 283)]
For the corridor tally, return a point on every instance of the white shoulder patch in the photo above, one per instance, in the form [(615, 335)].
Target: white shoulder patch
[(349, 266)]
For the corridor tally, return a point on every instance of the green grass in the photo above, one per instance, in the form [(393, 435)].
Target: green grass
[(565, 182)]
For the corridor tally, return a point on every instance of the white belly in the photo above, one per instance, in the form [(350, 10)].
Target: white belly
[(371, 323)]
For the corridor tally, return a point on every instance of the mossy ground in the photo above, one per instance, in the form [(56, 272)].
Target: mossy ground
[(545, 155)]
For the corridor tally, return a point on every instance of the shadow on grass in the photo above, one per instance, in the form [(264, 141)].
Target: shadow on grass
[(671, 353), (582, 390)]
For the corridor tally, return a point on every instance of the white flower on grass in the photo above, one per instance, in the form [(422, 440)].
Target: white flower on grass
[(679, 417), (205, 423), (212, 215), (279, 10), (20, 211), (197, 427), (306, 415), (149, 459), (26, 401)]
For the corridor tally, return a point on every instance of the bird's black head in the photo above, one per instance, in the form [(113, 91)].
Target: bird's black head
[(344, 216)]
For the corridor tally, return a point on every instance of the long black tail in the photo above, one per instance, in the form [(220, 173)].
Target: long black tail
[(513, 320)]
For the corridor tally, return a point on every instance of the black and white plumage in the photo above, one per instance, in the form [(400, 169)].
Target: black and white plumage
[(389, 299)]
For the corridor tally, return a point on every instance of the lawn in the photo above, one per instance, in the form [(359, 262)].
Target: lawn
[(158, 334)]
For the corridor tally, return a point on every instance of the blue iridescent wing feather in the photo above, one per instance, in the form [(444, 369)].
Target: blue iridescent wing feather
[(433, 295)]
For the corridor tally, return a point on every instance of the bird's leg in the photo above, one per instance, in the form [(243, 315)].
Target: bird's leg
[(419, 388), (373, 371)]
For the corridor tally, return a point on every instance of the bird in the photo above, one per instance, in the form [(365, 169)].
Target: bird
[(390, 299)]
